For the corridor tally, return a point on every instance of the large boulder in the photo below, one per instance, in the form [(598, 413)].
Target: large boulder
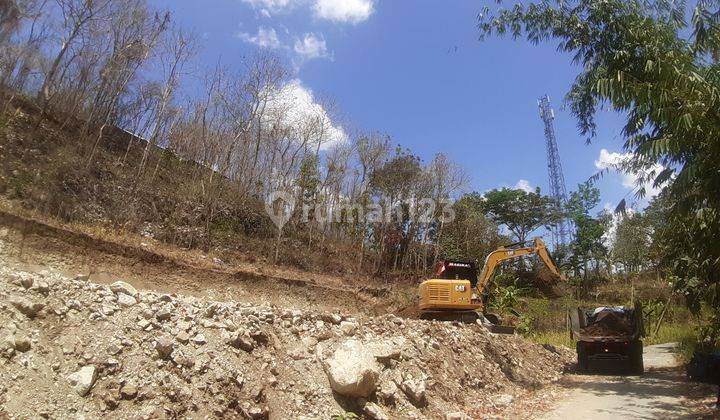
[(352, 370)]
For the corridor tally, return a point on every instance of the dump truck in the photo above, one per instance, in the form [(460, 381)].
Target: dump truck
[(608, 338)]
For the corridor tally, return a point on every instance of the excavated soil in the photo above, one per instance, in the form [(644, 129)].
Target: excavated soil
[(609, 326), (171, 349)]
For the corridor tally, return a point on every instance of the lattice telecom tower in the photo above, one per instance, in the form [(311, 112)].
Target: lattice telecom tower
[(561, 233)]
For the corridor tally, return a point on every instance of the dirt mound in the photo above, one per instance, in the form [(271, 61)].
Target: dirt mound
[(94, 350)]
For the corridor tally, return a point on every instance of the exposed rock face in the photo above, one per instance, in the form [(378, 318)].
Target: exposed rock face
[(352, 370), (83, 380)]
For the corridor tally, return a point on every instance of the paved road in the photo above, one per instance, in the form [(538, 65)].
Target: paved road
[(655, 395)]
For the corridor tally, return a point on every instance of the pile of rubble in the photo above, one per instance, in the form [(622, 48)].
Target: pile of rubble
[(71, 348), (609, 323)]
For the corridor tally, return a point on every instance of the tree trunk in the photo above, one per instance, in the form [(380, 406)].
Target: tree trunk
[(44, 92)]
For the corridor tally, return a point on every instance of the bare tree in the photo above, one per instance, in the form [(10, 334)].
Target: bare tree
[(134, 38), (177, 49), (373, 150), (9, 19), (77, 15), (20, 50), (446, 178)]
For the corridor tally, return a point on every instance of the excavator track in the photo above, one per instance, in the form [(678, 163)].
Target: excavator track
[(468, 317)]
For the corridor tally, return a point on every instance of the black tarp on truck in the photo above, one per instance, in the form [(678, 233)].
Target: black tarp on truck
[(608, 337)]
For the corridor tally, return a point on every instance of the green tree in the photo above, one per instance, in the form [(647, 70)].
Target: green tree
[(309, 178), (644, 59), (520, 211), (470, 235), (587, 245), (631, 246), (393, 185)]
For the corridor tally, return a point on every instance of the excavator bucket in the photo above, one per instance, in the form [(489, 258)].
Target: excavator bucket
[(549, 283)]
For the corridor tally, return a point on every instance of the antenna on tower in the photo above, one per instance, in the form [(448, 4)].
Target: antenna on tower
[(561, 232)]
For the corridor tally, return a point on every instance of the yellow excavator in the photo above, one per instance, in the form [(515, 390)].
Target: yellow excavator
[(457, 294)]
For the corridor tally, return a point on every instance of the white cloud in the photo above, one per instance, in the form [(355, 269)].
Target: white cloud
[(524, 185), (340, 11), (311, 47), (345, 11), (299, 106), (265, 38), (613, 160), (609, 236), (266, 7)]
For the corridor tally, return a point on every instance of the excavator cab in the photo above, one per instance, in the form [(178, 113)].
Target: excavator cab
[(457, 270)]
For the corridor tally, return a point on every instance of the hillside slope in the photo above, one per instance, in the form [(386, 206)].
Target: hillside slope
[(89, 349), (45, 169)]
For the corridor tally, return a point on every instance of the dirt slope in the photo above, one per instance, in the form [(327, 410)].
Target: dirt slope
[(150, 354), (170, 270)]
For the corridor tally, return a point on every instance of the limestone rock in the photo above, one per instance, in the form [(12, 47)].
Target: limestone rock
[(242, 342), (415, 391), (164, 347), (503, 399), (123, 287), (385, 351), (26, 307), (27, 282), (199, 339), (374, 412), (163, 314), (348, 328), (126, 300), (183, 337), (129, 391), (83, 380), (352, 370), (388, 393), (22, 343)]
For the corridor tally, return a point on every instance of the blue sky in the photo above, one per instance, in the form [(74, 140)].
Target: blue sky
[(417, 71)]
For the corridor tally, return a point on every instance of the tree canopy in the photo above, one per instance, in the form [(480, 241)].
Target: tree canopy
[(646, 60), (520, 211)]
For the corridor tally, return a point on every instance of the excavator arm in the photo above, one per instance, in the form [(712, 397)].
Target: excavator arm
[(537, 246)]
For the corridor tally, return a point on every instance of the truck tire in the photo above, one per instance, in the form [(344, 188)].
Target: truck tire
[(636, 358), (582, 358)]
